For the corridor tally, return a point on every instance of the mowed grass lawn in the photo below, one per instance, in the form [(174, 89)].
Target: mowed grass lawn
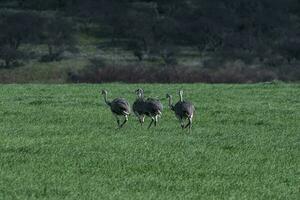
[(61, 142)]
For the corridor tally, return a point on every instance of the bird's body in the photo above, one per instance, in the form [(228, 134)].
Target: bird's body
[(156, 104), (149, 107), (119, 107), (138, 108), (183, 110), (154, 107)]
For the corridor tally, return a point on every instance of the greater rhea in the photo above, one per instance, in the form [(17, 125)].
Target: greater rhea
[(119, 107), (149, 107), (183, 110), (139, 106)]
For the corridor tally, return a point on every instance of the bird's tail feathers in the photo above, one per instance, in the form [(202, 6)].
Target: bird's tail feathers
[(126, 112), (188, 114), (159, 113)]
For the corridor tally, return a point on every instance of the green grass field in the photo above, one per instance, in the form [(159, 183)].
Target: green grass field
[(61, 142)]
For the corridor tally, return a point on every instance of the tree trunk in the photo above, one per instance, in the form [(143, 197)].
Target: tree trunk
[(7, 63), (145, 44), (50, 50)]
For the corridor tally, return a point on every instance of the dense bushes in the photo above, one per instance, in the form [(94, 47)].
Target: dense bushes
[(234, 72), (236, 41)]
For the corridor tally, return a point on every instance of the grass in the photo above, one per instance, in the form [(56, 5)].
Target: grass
[(60, 142)]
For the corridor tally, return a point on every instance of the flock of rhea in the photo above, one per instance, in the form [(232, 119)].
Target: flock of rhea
[(150, 107)]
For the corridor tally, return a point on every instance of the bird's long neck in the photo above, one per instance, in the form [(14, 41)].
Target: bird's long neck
[(105, 100), (181, 97), (141, 95), (170, 103)]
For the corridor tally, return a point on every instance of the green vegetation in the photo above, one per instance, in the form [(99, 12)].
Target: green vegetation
[(60, 142), (212, 41)]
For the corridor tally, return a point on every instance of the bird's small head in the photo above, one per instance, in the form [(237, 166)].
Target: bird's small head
[(103, 92), (180, 92), (168, 96), (139, 92)]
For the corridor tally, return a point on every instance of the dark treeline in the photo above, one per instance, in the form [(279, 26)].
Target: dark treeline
[(264, 33)]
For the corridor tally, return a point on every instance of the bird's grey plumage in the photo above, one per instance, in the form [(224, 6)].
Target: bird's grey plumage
[(149, 107), (183, 110), (139, 105), (119, 107), (155, 106)]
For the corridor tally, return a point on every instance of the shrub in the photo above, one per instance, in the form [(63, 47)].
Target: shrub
[(10, 56), (58, 34), (231, 72)]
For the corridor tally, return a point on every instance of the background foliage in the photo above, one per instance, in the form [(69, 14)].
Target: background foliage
[(243, 41)]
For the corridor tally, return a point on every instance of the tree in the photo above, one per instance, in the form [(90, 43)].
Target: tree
[(16, 28), (44, 4), (58, 33), (9, 55)]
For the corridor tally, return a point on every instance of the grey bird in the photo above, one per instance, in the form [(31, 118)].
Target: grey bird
[(119, 107), (154, 110), (149, 107), (139, 106), (183, 110)]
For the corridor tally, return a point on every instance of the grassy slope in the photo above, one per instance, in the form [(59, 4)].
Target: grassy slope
[(60, 142), (34, 71)]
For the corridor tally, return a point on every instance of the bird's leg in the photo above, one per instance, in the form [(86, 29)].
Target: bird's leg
[(125, 120), (189, 124), (181, 123), (155, 120), (139, 118), (118, 120), (152, 119), (142, 119)]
